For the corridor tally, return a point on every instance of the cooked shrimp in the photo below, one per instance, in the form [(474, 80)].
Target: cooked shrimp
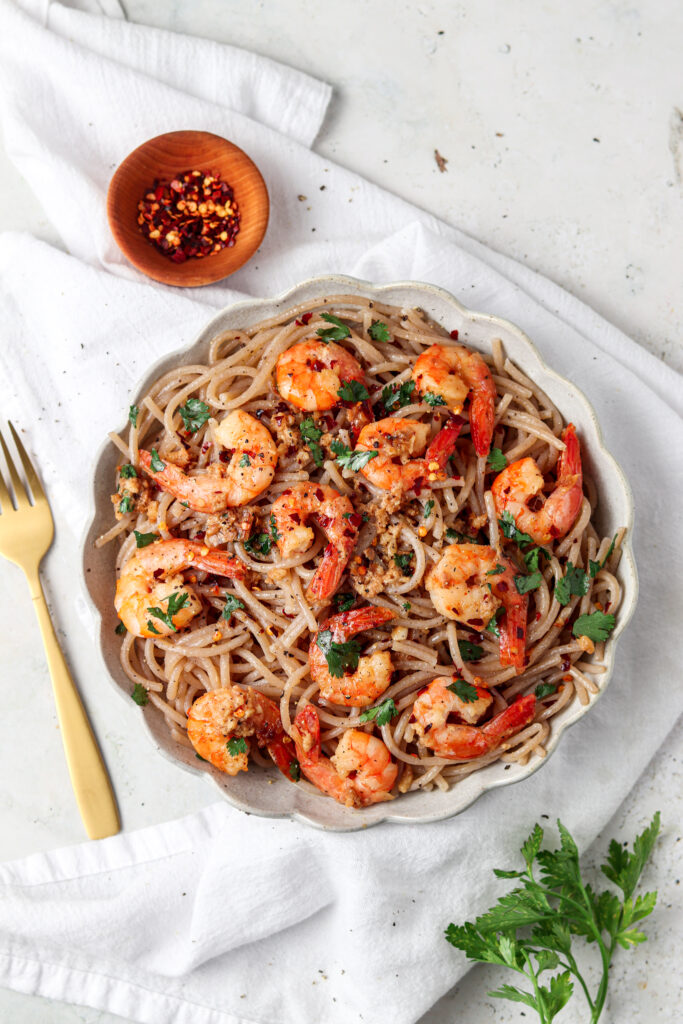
[(353, 689), (151, 581), (436, 705), (469, 583), (398, 444), (453, 372), (360, 772), (252, 460), (334, 514), (238, 713), (310, 374), (518, 489)]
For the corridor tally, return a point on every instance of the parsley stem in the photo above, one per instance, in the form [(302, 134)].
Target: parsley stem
[(572, 967), (606, 955), (540, 1004)]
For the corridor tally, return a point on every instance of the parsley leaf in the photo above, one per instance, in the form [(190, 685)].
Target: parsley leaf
[(175, 603), (470, 651), (231, 605), (258, 543), (348, 459), (310, 434), (456, 537), (336, 333), (575, 581), (140, 695), (544, 690), (526, 583), (152, 628), (344, 601), (353, 391), (273, 528), (382, 714), (597, 626), (194, 414), (403, 562), (133, 414), (497, 571), (244, 461), (428, 509), (595, 567), (396, 397), (465, 691), (339, 656), (125, 505), (407, 606), (431, 399), (143, 539), (492, 625), (378, 331), (294, 771), (531, 557), (121, 629), (496, 460), (126, 471), (237, 746), (156, 465), (509, 528)]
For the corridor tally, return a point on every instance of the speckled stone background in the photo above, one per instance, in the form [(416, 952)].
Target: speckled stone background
[(562, 130)]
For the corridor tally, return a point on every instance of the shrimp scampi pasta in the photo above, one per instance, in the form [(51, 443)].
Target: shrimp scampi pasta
[(353, 544)]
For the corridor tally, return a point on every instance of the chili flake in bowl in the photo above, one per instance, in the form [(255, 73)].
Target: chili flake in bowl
[(166, 223), (192, 216)]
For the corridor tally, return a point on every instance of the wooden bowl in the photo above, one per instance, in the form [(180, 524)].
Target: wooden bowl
[(165, 157)]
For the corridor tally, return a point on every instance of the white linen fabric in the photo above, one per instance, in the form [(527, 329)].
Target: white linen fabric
[(222, 918)]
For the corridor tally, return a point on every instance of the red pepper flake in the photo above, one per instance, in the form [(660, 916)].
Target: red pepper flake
[(192, 216), (454, 335)]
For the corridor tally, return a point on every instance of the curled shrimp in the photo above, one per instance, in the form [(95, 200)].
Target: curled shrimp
[(310, 374), (151, 581), (436, 705), (252, 456), (398, 444), (334, 514), (518, 488), (453, 372), (353, 689), (469, 583), (360, 772), (236, 713)]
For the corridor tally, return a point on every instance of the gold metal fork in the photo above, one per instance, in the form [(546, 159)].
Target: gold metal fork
[(26, 532)]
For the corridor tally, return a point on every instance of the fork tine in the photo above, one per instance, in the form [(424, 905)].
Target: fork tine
[(31, 475), (5, 500), (20, 495)]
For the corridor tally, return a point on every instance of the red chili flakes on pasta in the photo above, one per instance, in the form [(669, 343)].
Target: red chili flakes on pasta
[(193, 216)]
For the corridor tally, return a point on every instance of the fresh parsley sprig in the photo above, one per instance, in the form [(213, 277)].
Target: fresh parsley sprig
[(597, 626), (464, 690), (470, 651), (336, 333), (232, 604), (339, 656), (353, 391), (382, 714), (311, 434), (175, 603), (194, 414), (348, 459), (378, 331), (595, 567), (575, 581), (496, 460), (531, 928), (394, 397)]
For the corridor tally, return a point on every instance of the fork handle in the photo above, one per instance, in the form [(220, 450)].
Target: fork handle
[(89, 777)]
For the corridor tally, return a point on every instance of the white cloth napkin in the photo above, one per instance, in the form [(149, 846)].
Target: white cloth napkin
[(222, 918)]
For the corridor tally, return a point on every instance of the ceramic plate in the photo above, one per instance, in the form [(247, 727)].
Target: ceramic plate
[(266, 792)]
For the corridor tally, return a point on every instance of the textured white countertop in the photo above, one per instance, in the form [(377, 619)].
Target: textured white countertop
[(564, 142)]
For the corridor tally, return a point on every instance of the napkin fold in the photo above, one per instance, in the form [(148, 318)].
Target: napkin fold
[(220, 917)]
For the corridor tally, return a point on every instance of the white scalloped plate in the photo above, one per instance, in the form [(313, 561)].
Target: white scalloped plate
[(266, 792)]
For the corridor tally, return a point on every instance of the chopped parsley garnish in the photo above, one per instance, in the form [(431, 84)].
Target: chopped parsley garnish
[(396, 397), (258, 543), (152, 628), (456, 537), (431, 399), (575, 581), (143, 539), (595, 567), (140, 695), (237, 746), (175, 603), (531, 558), (336, 333), (496, 460), (194, 414), (378, 331), (428, 509), (133, 414), (125, 505), (509, 528), (544, 690), (231, 605), (294, 771), (344, 601), (492, 625), (465, 691), (273, 528), (382, 714), (156, 464), (310, 434), (120, 629), (339, 656), (497, 571), (407, 606), (127, 470), (526, 583), (403, 562), (349, 459), (470, 651), (597, 626), (244, 461), (353, 391)]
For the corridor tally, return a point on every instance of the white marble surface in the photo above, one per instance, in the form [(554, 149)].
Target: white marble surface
[(565, 151)]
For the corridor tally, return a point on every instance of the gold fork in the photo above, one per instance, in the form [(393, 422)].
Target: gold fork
[(26, 533)]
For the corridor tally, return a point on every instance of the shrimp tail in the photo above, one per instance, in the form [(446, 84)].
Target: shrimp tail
[(328, 574), (360, 414), (482, 416), (510, 721), (443, 445), (306, 734), (347, 624), (220, 563), (569, 463), (513, 635)]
